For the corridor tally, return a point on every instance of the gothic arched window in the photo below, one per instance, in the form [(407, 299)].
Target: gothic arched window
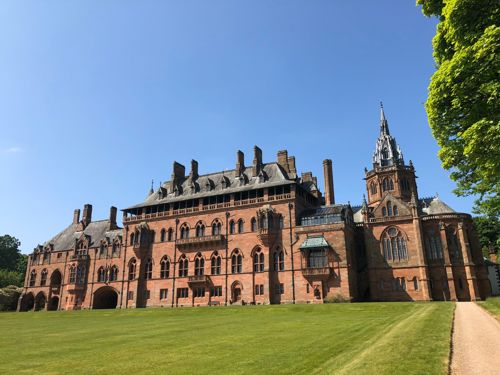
[(183, 266), (148, 272), (373, 188), (113, 273), (131, 269), (43, 278), (101, 275), (164, 268), (433, 245), (240, 226), (236, 262), (184, 231), (253, 224), (258, 261), (162, 235), (200, 230), (394, 246), (170, 235), (72, 275), (232, 227), (215, 264), (199, 265), (216, 228)]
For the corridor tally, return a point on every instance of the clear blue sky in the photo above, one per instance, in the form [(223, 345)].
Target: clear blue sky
[(99, 97)]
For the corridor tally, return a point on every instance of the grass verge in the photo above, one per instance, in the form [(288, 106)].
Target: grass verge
[(357, 338), (492, 304)]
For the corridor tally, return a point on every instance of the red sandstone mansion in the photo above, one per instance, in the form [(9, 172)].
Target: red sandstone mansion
[(263, 234)]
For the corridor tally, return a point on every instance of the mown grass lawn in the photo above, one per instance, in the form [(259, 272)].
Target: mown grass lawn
[(357, 338), (492, 304)]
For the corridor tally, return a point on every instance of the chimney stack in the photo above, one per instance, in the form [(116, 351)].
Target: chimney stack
[(240, 163), (76, 216), (112, 217), (194, 170), (283, 160), (291, 165), (87, 214), (178, 173), (257, 160), (328, 175)]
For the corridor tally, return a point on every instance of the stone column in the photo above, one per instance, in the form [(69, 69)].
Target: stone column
[(447, 263), (469, 266)]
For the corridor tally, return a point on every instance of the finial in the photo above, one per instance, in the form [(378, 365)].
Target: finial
[(151, 191), (381, 105)]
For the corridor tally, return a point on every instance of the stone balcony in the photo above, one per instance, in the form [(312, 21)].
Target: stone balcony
[(198, 279), (320, 272), (197, 242)]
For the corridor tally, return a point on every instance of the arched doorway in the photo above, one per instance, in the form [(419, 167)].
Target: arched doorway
[(55, 279), (236, 289), (27, 302), (105, 298), (54, 303), (40, 301)]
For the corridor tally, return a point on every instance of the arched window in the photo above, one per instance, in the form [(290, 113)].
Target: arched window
[(395, 210), (216, 228), (80, 274), (253, 225), (131, 269), (199, 265), (72, 274), (279, 260), (183, 266), (433, 245), (43, 278), (164, 268), (132, 238), (184, 231), (232, 227), (32, 278), (389, 208), (236, 262), (115, 250), (153, 236), (241, 226), (282, 223), (200, 230), (170, 235), (453, 243), (385, 153), (215, 264), (373, 188), (384, 211), (394, 246), (162, 235), (387, 184), (101, 275), (258, 261), (113, 273), (148, 272), (103, 251)]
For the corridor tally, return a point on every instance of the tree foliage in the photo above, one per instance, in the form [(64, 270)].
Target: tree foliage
[(9, 297), (463, 106), (12, 262), (488, 231)]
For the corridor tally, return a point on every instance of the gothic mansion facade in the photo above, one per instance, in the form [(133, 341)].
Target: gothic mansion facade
[(263, 234)]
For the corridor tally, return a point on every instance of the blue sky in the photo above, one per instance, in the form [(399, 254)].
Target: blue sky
[(99, 97)]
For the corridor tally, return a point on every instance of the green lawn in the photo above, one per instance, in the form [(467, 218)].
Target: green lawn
[(492, 304), (364, 338)]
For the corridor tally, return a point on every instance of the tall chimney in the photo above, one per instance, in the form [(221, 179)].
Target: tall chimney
[(194, 170), (112, 217), (257, 160), (87, 214), (291, 165), (283, 160), (178, 173), (76, 216), (328, 175), (240, 162)]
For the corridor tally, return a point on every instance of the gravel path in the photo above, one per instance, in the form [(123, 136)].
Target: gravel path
[(476, 341)]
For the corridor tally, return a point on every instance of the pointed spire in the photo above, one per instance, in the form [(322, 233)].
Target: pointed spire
[(151, 191), (364, 206), (384, 126)]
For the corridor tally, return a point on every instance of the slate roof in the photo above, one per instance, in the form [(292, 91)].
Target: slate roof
[(96, 230), (334, 209), (212, 184), (436, 206)]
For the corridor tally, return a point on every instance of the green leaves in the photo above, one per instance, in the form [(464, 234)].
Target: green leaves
[(463, 103)]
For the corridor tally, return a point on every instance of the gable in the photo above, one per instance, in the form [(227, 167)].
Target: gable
[(402, 207)]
